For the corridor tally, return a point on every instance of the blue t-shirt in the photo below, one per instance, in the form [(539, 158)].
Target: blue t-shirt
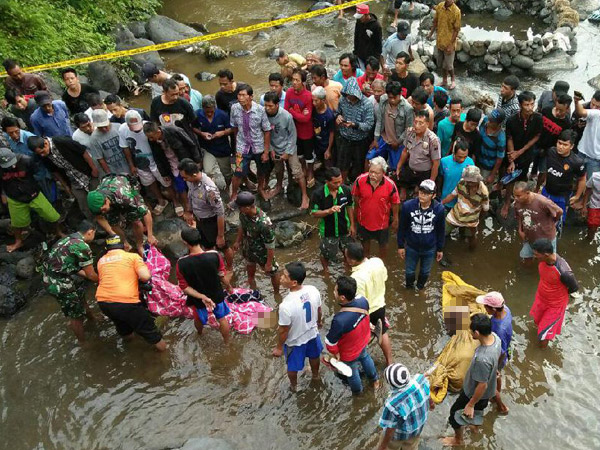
[(503, 328), (218, 147), (323, 124), (452, 173), (492, 147), (437, 89), (445, 130)]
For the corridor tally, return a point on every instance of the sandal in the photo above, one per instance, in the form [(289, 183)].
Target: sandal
[(179, 211), (158, 209), (310, 183)]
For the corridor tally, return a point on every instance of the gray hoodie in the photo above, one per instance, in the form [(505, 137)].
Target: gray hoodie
[(361, 113)]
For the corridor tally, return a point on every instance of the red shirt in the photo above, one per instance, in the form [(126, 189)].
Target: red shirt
[(361, 80), (296, 103), (374, 204)]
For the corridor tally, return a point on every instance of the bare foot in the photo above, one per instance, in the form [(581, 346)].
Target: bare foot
[(376, 385), (17, 245), (452, 86), (474, 429), (451, 441), (273, 192), (504, 211), (304, 204), (503, 409)]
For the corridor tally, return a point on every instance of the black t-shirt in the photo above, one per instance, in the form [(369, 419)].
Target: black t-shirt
[(18, 183), (79, 104), (144, 114), (562, 172), (408, 83), (327, 224), (225, 100), (552, 127), (473, 138), (179, 113), (73, 152), (201, 273), (522, 132)]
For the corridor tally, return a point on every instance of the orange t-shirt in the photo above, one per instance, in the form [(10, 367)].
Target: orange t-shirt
[(118, 278)]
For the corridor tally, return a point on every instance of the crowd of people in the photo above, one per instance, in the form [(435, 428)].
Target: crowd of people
[(395, 152)]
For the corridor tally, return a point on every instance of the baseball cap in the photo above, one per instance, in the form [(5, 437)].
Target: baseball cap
[(149, 70), (561, 87), (114, 242), (472, 174), (7, 158), (427, 186), (245, 198), (397, 375), (42, 98), (134, 120), (492, 299), (100, 118), (496, 115), (361, 10), (403, 27)]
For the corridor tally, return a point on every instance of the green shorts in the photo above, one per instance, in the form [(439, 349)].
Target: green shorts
[(331, 246), (20, 213)]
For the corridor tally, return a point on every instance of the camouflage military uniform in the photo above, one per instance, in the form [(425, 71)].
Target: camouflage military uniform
[(258, 237), (68, 256), (125, 200)]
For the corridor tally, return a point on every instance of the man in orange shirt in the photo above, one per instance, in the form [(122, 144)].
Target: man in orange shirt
[(119, 273)]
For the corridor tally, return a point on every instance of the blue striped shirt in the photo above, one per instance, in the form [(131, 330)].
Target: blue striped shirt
[(406, 409)]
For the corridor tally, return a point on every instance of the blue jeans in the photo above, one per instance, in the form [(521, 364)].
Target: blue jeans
[(412, 259), (365, 360), (591, 165)]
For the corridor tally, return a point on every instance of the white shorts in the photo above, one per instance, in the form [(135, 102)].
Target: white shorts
[(147, 177)]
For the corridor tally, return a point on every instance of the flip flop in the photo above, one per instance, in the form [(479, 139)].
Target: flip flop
[(463, 420), (506, 179), (158, 209), (179, 211), (337, 366)]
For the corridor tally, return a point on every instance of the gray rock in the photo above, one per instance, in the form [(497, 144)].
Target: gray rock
[(502, 14), (13, 258), (205, 76), (168, 230), (477, 48), (557, 61), (494, 47), (53, 85), (495, 68), (418, 67), (585, 7), (523, 62), (262, 36), (466, 46), (505, 60), (496, 3), (526, 52), (198, 27), (507, 47), (514, 52), (431, 65), (463, 57), (478, 5), (476, 65), (490, 60), (538, 54), (419, 10), (138, 29), (320, 5), (25, 268), (514, 70), (288, 233), (330, 44), (595, 82), (10, 301), (163, 29), (125, 40), (206, 443), (240, 53), (545, 12), (103, 76)]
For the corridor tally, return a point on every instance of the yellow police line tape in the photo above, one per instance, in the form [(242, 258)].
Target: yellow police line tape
[(190, 41)]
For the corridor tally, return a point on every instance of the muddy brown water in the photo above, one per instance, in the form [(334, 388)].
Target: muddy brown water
[(109, 395)]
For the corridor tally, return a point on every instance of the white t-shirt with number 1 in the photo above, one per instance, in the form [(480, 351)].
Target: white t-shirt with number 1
[(300, 311)]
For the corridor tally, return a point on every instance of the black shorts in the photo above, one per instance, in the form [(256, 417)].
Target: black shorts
[(397, 4), (381, 236), (409, 179), (379, 314), (132, 317), (460, 403), (209, 229), (351, 154), (306, 149)]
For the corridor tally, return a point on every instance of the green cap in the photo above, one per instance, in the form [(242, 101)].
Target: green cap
[(95, 201)]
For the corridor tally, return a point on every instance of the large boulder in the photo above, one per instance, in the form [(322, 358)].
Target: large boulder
[(469, 94), (138, 28), (11, 301), (25, 268), (168, 234), (417, 66), (523, 62), (557, 61), (125, 40), (478, 48), (419, 10), (103, 76), (163, 29), (288, 233), (585, 7)]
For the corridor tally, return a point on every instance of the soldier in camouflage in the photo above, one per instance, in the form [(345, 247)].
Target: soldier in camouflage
[(115, 200), (70, 257), (256, 239)]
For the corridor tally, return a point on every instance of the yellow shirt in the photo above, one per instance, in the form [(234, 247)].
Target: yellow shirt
[(448, 21), (297, 59), (370, 278)]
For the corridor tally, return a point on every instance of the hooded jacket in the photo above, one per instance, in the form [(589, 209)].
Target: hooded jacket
[(422, 229), (361, 113), (182, 145), (367, 38), (404, 117)]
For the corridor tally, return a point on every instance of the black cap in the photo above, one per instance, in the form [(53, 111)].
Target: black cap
[(403, 27), (114, 242), (245, 198), (149, 70), (561, 87), (42, 98)]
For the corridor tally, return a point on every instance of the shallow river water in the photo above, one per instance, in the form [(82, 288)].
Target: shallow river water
[(55, 394)]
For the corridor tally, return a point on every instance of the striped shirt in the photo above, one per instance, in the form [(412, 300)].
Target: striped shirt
[(406, 409), (465, 212)]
